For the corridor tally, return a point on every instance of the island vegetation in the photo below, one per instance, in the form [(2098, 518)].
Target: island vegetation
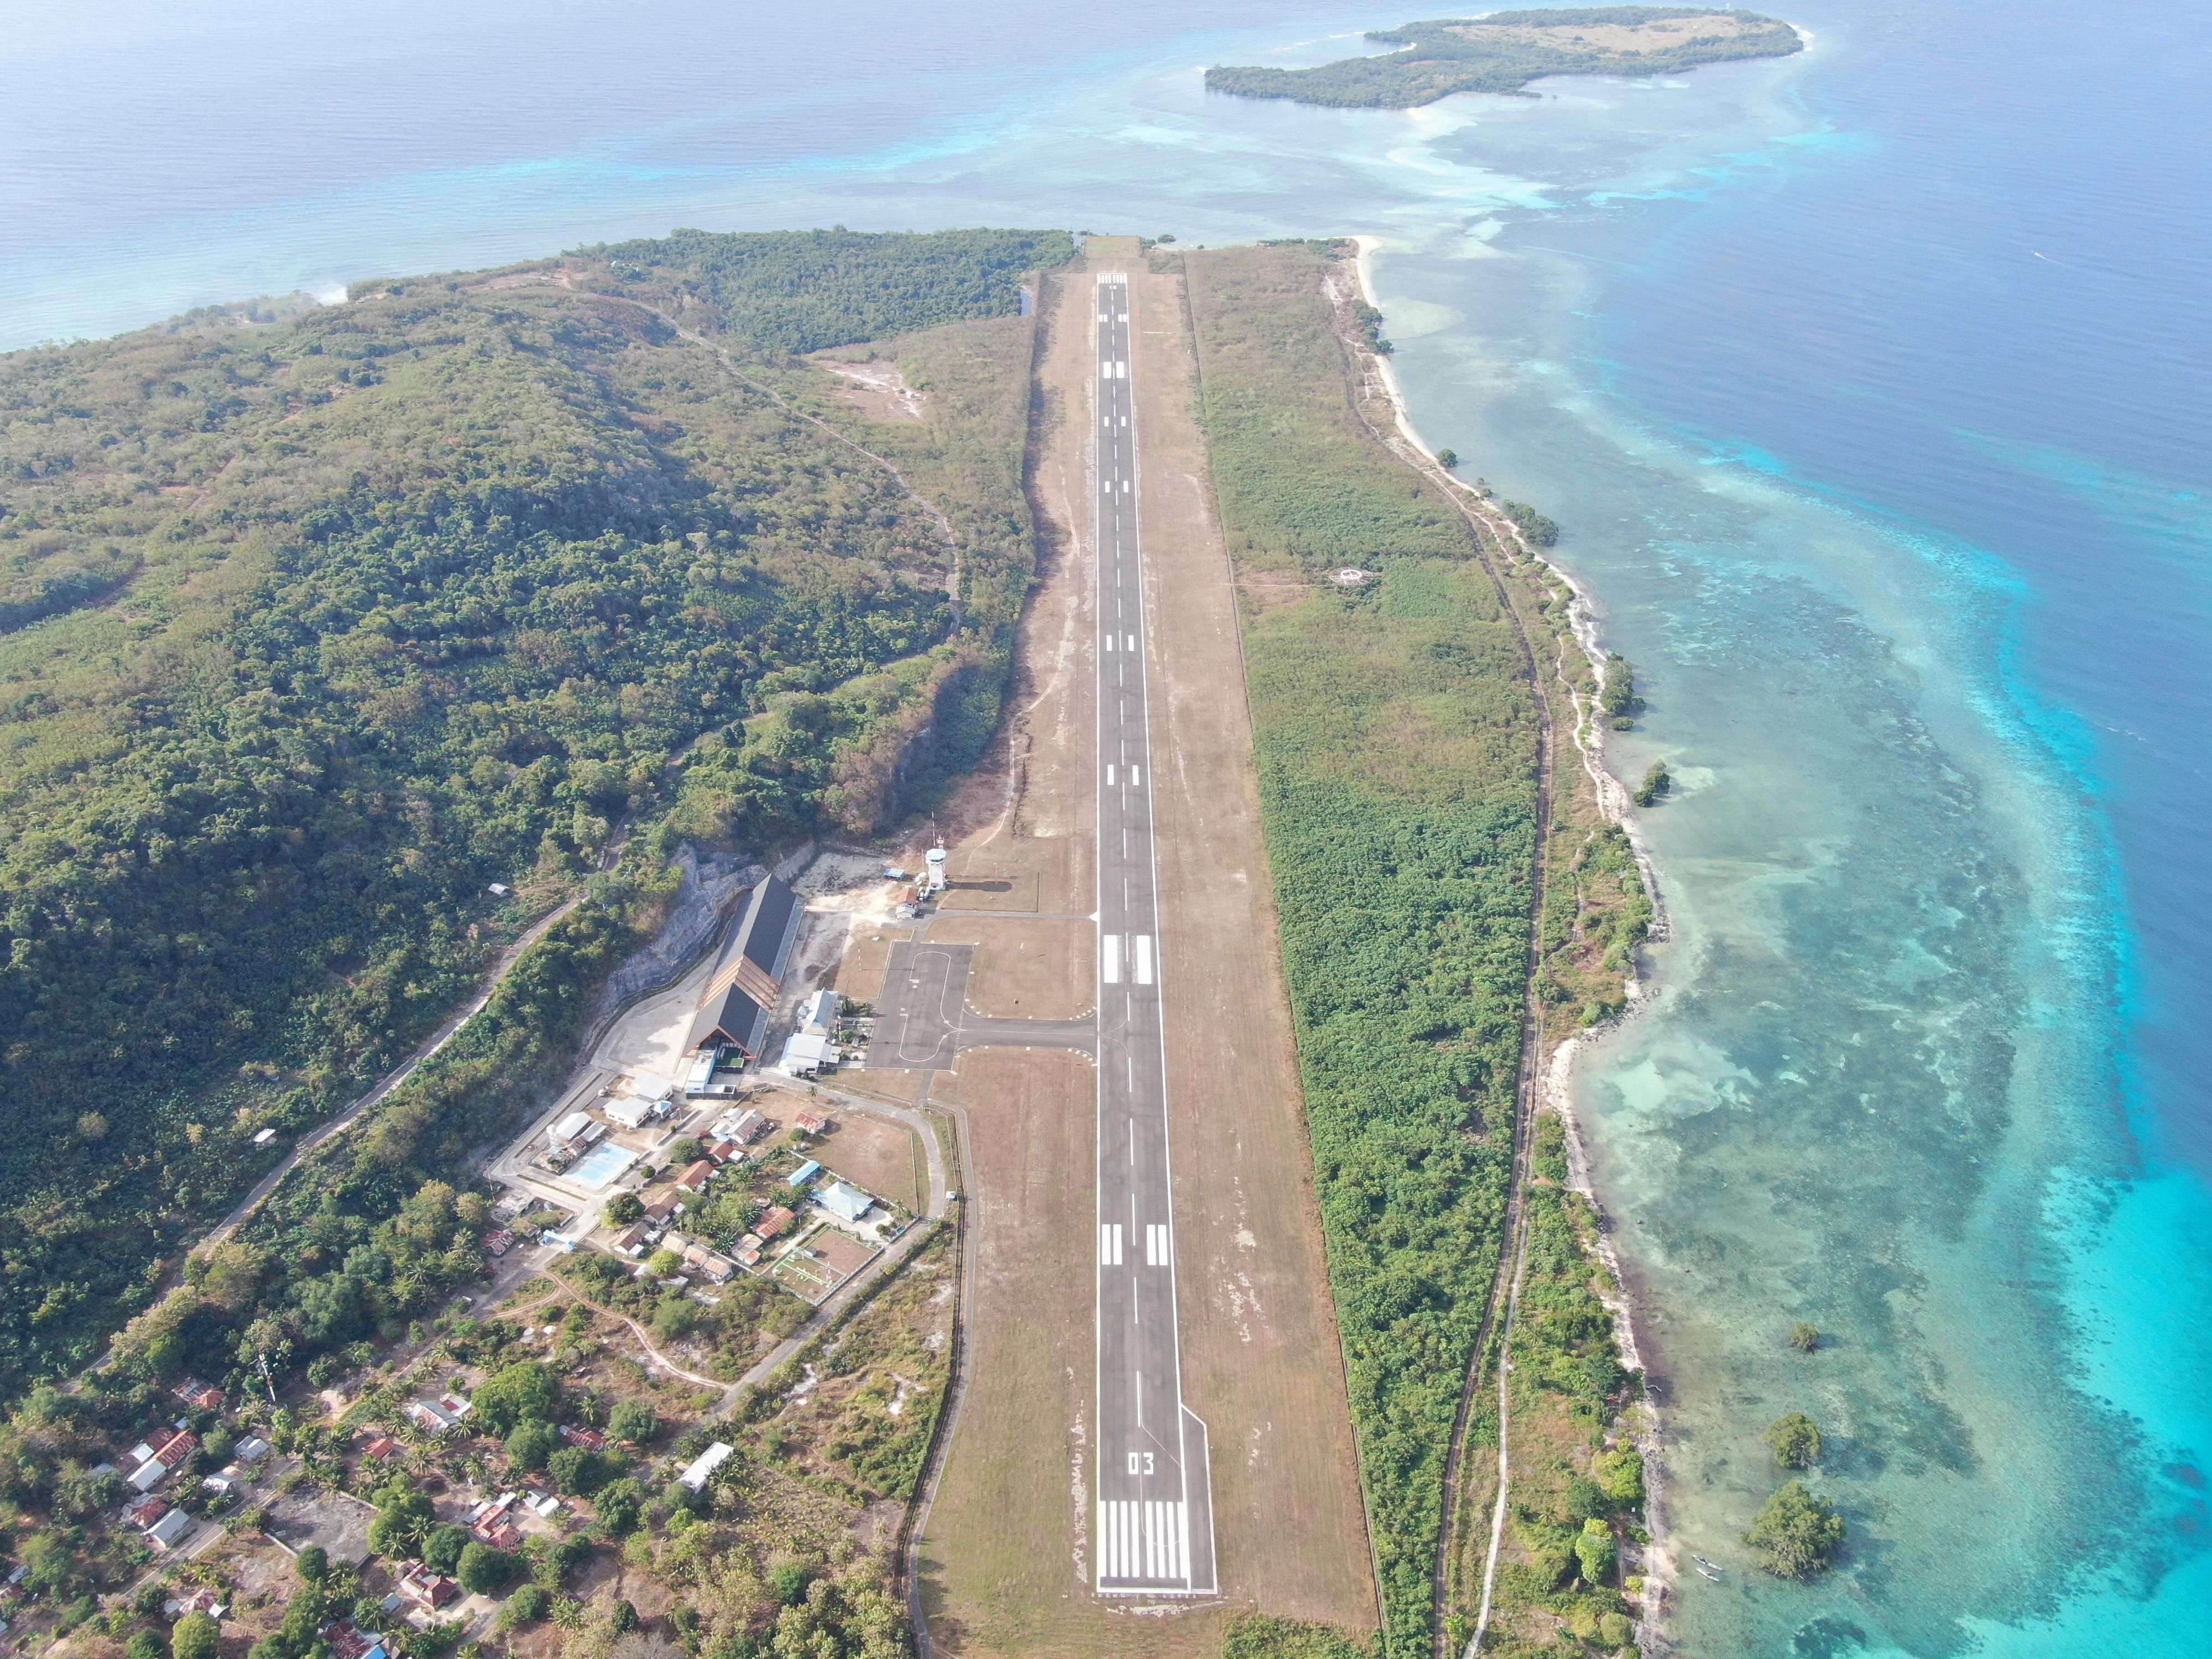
[(1505, 51), (1797, 1533), (1794, 1440), (338, 647), (1395, 739), (1398, 734)]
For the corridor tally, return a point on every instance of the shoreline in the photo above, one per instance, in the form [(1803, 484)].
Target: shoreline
[(1557, 1069)]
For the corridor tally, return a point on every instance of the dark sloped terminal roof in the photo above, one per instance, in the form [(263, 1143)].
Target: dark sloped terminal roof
[(745, 987)]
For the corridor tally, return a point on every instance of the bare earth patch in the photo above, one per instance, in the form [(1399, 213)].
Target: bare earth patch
[(876, 389)]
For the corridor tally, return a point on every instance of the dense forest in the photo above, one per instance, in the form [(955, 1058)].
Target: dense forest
[(314, 629), (1506, 50), (1397, 734)]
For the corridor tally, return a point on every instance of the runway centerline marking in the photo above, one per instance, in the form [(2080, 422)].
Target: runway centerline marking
[(1154, 1494)]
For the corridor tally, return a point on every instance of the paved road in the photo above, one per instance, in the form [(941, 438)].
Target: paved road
[(923, 1020), (1154, 1520)]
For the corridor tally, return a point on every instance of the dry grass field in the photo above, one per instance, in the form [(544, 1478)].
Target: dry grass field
[(1026, 967)]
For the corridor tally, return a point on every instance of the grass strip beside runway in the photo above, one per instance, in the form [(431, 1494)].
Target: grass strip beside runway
[(1397, 736)]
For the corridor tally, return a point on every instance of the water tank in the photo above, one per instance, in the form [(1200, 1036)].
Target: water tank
[(936, 861)]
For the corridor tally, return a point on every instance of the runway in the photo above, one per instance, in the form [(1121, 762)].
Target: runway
[(1153, 1519)]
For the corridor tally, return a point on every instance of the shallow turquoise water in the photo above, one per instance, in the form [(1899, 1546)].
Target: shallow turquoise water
[(1871, 390)]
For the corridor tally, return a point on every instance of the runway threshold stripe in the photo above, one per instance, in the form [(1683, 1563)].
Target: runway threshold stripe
[(1112, 968), (1141, 944)]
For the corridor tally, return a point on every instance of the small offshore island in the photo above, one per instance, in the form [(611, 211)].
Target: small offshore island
[(1505, 51)]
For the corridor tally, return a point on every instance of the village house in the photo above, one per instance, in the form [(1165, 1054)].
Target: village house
[(704, 1465), (846, 1202), (715, 1268), (166, 1532), (418, 1584), (350, 1641), (437, 1416), (773, 1223), (199, 1395)]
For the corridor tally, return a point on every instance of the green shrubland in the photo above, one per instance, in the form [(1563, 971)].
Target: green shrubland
[(312, 629), (1396, 736)]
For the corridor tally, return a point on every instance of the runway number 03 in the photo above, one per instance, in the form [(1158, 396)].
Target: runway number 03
[(1140, 1463)]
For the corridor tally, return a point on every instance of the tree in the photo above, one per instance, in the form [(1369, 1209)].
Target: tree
[(1795, 1440), (689, 1149), (1448, 459), (1797, 1533), (1620, 1472), (579, 1472), (441, 1550), (1657, 783), (633, 1420), (1804, 1336), (312, 1564), (1594, 1551), (1617, 695), (530, 1602), (674, 1316), (619, 1503), (195, 1636), (531, 1443), (403, 1515), (624, 1208), (525, 1388), (482, 1570), (142, 1644), (788, 1583), (664, 1264)]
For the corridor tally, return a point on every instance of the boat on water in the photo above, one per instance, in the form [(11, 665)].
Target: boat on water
[(1707, 1567)]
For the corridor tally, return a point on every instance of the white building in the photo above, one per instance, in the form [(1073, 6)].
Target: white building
[(577, 1129), (704, 1465), (806, 1054), (846, 1202), (636, 1111), (817, 1015)]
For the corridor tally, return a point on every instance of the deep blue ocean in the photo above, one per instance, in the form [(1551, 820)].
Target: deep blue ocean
[(1873, 390)]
